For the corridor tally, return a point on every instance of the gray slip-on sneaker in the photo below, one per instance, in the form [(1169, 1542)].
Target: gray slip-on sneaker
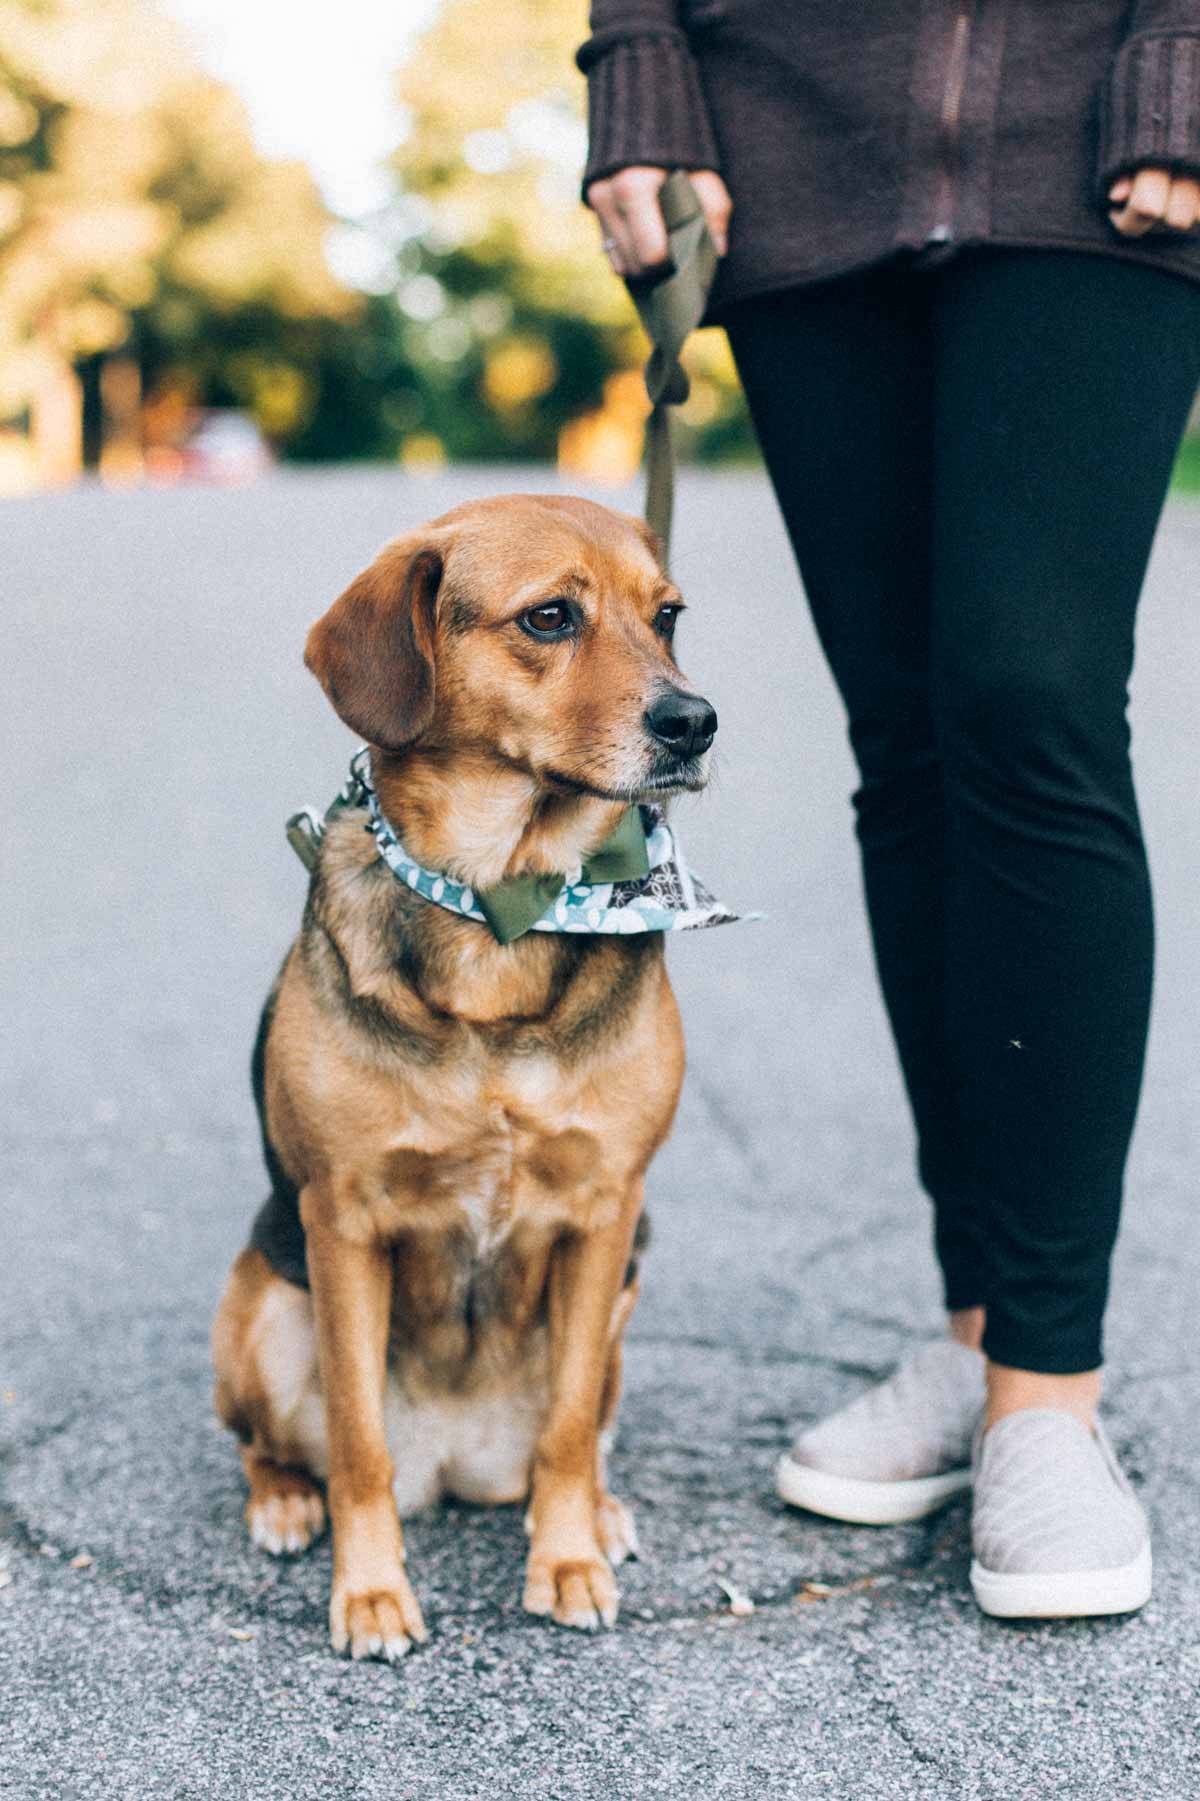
[(1057, 1531), (898, 1452)]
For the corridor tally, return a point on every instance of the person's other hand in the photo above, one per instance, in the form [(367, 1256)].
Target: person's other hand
[(1154, 200), (631, 223)]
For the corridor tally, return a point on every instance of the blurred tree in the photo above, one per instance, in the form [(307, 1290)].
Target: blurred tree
[(496, 144), (137, 216), (522, 335)]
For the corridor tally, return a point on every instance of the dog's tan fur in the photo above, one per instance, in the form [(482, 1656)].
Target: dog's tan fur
[(467, 1125)]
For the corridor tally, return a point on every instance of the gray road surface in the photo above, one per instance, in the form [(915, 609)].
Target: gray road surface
[(161, 727)]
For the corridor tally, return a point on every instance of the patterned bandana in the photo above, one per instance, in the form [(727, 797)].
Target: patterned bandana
[(662, 896)]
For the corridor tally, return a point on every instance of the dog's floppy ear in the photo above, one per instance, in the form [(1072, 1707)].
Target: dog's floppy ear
[(372, 652)]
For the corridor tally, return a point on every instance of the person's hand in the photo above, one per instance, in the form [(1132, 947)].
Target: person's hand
[(1154, 200), (631, 223)]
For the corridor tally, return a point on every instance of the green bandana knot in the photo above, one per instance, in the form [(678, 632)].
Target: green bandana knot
[(512, 907)]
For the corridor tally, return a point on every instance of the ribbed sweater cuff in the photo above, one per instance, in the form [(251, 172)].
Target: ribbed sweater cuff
[(645, 105), (1150, 113)]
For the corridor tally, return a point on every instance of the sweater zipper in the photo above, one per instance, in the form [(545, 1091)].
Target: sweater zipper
[(952, 95)]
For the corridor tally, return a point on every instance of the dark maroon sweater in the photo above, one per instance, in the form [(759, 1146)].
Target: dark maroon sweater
[(849, 129)]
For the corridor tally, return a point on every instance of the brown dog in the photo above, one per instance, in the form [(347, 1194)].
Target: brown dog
[(457, 1131)]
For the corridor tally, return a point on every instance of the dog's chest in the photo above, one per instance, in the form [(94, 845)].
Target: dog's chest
[(478, 1218), (511, 1155)]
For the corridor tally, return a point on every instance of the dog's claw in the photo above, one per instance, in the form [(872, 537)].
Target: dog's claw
[(579, 1593), (384, 1623)]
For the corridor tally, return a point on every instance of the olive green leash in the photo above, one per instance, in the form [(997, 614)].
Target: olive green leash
[(670, 307)]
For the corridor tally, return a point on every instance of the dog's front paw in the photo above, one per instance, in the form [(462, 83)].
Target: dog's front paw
[(380, 1622), (575, 1591)]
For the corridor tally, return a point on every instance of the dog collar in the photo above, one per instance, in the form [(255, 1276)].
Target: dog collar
[(637, 881)]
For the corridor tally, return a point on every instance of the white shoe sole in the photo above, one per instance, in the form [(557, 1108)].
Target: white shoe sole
[(1073, 1594), (862, 1503)]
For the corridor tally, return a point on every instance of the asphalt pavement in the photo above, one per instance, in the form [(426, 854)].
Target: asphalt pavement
[(161, 726)]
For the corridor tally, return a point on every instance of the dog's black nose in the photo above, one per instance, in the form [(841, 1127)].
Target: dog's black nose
[(685, 723)]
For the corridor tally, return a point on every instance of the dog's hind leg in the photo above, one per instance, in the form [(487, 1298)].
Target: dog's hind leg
[(267, 1391), (286, 1509)]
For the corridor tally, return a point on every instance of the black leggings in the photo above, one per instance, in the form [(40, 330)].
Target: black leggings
[(971, 462)]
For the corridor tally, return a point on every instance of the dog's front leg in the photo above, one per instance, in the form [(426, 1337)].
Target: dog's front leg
[(568, 1575), (372, 1610)]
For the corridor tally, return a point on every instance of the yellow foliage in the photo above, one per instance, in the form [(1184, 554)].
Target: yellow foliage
[(12, 207), (606, 446), (518, 370), (85, 241), (150, 176), (280, 395), (497, 141), (18, 120), (89, 327), (423, 453)]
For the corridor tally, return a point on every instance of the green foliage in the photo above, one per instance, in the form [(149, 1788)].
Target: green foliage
[(1187, 467), (485, 308), (322, 389)]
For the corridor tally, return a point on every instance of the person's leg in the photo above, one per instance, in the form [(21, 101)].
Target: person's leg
[(838, 379), (1062, 386)]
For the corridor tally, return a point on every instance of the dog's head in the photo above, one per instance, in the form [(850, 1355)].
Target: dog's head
[(533, 630)]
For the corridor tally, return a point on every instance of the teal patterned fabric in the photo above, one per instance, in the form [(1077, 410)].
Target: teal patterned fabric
[(669, 898)]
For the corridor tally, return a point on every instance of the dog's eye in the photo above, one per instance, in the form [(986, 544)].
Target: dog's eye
[(664, 621), (552, 619)]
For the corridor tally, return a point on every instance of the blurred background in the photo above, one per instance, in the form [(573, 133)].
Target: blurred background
[(235, 235)]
